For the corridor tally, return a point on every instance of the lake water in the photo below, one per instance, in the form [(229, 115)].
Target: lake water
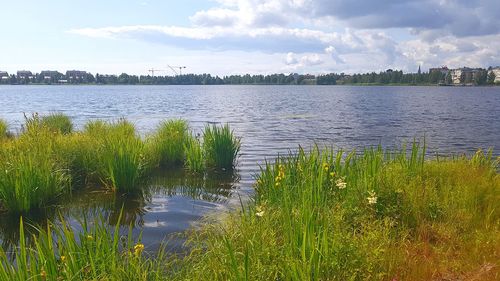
[(270, 119)]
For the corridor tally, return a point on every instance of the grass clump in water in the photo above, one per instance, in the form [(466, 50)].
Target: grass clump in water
[(168, 142), (30, 174), (58, 122), (120, 154), (194, 161), (221, 146)]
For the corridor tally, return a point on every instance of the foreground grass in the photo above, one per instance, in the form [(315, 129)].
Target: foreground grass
[(378, 216), (320, 215), (96, 253)]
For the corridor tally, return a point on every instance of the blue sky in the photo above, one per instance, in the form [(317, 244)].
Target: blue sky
[(254, 36)]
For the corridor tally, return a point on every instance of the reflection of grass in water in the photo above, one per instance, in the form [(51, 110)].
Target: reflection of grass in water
[(213, 186)]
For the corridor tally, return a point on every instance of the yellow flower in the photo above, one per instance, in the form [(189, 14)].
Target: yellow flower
[(89, 237), (138, 248), (326, 167), (63, 259), (277, 184), (332, 174)]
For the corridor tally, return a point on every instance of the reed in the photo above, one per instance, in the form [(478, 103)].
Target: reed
[(221, 146)]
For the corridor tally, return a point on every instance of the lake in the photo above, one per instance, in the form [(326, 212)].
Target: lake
[(271, 120)]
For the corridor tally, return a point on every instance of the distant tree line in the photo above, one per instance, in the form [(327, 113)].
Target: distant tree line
[(395, 77)]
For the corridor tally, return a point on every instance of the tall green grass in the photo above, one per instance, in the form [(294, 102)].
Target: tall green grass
[(194, 161), (3, 129), (58, 122), (120, 160), (30, 174), (221, 146), (378, 215), (168, 142)]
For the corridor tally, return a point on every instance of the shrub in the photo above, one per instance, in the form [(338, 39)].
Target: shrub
[(221, 146)]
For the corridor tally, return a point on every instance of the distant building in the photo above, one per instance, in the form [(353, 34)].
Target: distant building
[(464, 75), (24, 74), (50, 75), (496, 71), (4, 75), (75, 74)]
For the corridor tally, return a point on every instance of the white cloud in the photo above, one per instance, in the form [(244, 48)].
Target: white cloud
[(336, 35)]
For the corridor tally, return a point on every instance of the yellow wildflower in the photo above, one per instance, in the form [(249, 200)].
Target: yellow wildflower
[(138, 248), (89, 237), (63, 259), (326, 167), (332, 174)]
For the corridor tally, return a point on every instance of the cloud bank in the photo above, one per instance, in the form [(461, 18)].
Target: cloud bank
[(336, 35)]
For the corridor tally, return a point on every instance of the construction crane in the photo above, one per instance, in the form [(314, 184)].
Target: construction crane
[(152, 70), (174, 67)]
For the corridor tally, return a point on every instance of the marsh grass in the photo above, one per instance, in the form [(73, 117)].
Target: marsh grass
[(30, 175), (120, 161), (3, 130), (58, 122), (47, 157), (378, 215), (221, 147), (193, 150), (168, 142)]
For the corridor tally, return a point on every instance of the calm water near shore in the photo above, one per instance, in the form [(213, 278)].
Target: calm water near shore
[(270, 119)]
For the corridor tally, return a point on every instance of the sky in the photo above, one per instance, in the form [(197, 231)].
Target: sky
[(224, 37)]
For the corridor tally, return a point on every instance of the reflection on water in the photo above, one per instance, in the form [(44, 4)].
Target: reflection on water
[(173, 201)]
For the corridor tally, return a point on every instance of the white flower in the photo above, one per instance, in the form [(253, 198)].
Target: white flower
[(372, 199), (340, 183), (260, 211)]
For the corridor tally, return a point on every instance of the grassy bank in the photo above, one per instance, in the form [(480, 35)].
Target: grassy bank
[(318, 215), (328, 215), (49, 159)]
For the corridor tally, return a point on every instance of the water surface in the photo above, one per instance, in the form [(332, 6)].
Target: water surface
[(270, 119)]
